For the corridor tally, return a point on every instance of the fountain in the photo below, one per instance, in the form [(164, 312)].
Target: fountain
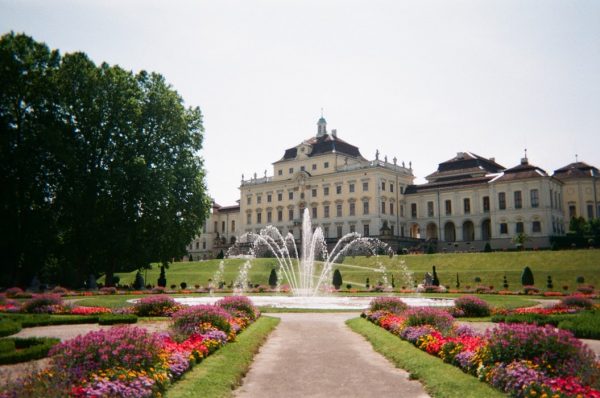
[(309, 275)]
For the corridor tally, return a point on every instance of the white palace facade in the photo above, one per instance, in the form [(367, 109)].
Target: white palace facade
[(468, 201)]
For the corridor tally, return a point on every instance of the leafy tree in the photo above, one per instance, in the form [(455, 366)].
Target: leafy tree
[(99, 167), (273, 278), (527, 277), (457, 281), (520, 239), (337, 279)]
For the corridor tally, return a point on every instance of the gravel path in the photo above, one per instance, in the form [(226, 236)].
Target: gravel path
[(317, 355)]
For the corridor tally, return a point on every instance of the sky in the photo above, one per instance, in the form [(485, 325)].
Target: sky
[(417, 80)]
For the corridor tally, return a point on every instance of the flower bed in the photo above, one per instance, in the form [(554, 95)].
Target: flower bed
[(156, 306), (129, 361), (523, 360)]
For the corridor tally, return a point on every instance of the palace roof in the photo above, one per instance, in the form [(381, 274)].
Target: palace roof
[(576, 170)]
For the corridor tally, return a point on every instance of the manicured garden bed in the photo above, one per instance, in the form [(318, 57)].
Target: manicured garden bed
[(524, 360), (132, 362)]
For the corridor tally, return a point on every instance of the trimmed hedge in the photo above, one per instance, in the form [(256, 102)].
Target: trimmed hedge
[(8, 327), (113, 319), (7, 345), (27, 349), (31, 320), (584, 326)]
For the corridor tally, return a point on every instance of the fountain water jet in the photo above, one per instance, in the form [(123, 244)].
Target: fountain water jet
[(301, 272)]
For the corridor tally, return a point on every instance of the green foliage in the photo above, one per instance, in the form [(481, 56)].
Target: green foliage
[(32, 320), (221, 255), (8, 327), (100, 167), (273, 278), (435, 281), (585, 325), (527, 277), (7, 345), (457, 281), (113, 319), (487, 248), (28, 349), (337, 279), (162, 279), (139, 281)]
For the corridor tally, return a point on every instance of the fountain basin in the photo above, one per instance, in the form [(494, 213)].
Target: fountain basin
[(351, 303)]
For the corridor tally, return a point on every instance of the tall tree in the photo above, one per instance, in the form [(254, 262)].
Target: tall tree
[(97, 160), (28, 137)]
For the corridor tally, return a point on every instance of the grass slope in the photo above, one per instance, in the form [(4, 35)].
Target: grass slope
[(563, 266), (219, 374), (440, 379)]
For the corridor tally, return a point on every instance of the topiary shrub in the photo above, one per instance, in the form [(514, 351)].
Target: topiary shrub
[(26, 349), (138, 284), (115, 319), (392, 304), (487, 248), (549, 283), (337, 279), (273, 279), (162, 278), (435, 281), (580, 279), (183, 285), (527, 277), (197, 318), (472, 306), (8, 327)]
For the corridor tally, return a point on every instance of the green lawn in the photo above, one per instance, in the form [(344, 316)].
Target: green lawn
[(563, 266), (221, 372), (439, 379)]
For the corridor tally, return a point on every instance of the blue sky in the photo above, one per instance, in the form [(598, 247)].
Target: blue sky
[(419, 80)]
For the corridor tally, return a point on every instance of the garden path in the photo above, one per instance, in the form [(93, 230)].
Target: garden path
[(317, 355)]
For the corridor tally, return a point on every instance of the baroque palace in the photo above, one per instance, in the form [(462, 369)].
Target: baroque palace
[(467, 202)]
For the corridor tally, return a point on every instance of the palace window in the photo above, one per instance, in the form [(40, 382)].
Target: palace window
[(326, 165), (391, 187), (269, 198), (222, 226), (258, 218), (338, 210), (352, 228), (279, 215), (590, 211), (536, 226), (572, 211), (314, 193), (248, 218), (502, 200), (249, 200), (365, 186), (391, 208), (258, 199), (326, 232), (383, 185), (280, 172), (291, 170), (291, 214), (430, 209), (325, 191), (518, 200), (503, 228), (302, 168), (269, 217), (383, 207), (351, 188), (314, 212), (467, 205), (413, 210), (326, 211), (534, 195), (519, 227), (448, 205), (338, 189), (291, 195), (232, 226), (204, 245), (339, 231), (366, 207), (215, 227), (352, 208), (314, 166), (366, 230), (279, 197), (486, 204)]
